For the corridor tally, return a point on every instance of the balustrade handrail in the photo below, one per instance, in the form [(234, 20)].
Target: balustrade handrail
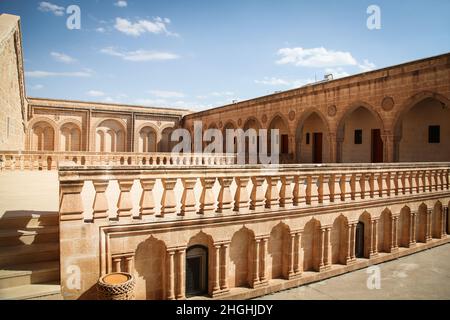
[(43, 160), (301, 186)]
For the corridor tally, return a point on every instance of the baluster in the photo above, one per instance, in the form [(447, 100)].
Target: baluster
[(257, 196), (272, 192), (100, 202), (377, 185), (392, 184), (286, 195), (346, 182), (225, 199), (325, 194), (414, 185), (313, 189), (241, 200), (207, 200), (358, 185), (299, 190), (337, 192), (71, 205), (188, 198), (168, 200), (124, 205), (407, 182), (147, 202)]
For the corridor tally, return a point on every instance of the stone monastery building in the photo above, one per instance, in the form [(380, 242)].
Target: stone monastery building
[(87, 189)]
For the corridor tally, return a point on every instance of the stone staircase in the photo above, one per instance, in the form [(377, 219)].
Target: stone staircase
[(29, 255)]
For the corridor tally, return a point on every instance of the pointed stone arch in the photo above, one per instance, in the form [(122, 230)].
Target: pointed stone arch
[(278, 252), (339, 240), (241, 256)]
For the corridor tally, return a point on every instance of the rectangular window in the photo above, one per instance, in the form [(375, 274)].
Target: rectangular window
[(284, 144), (434, 134), (358, 136), (307, 138)]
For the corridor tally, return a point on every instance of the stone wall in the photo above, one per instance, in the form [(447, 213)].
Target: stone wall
[(12, 102)]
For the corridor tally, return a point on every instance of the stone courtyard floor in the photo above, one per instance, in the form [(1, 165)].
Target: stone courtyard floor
[(424, 275)]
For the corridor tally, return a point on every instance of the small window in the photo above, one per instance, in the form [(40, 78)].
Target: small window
[(434, 134), (307, 138), (358, 136)]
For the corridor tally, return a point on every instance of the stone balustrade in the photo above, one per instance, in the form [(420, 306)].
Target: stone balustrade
[(130, 194), (43, 160)]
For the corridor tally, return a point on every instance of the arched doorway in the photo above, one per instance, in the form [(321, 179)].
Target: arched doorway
[(311, 140), (43, 137), (422, 132), (359, 137), (196, 270), (147, 140), (279, 124), (110, 136), (251, 129), (359, 241), (166, 144), (70, 139)]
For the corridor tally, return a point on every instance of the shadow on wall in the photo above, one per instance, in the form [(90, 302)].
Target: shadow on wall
[(150, 262)]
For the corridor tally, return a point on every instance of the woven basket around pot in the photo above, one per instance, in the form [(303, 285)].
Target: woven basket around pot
[(116, 286)]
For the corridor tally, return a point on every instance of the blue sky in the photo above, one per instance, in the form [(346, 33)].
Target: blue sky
[(198, 54)]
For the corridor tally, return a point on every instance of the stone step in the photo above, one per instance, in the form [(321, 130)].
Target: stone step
[(13, 220), (50, 291), (31, 273), (29, 236), (21, 254)]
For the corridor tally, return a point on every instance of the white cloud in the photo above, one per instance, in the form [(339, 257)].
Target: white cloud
[(157, 26), (140, 55), (47, 74), (45, 6), (37, 87), (315, 57), (272, 81), (95, 93), (337, 72), (367, 65), (278, 82), (121, 4), (61, 57), (166, 94), (100, 30)]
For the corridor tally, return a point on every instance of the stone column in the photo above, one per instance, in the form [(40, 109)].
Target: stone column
[(188, 197), (257, 196), (327, 248), (117, 262), (129, 263), (256, 264), (272, 192), (225, 265), (291, 271), (171, 275), (100, 208), (181, 294), (298, 267), (348, 256), (375, 238), (147, 202), (286, 194), (216, 282), (168, 200), (322, 249), (443, 221), (412, 230), (395, 232), (263, 271), (428, 234), (71, 204), (207, 200), (352, 246), (225, 200), (241, 200)]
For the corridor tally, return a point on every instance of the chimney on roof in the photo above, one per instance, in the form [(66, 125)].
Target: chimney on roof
[(328, 77)]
